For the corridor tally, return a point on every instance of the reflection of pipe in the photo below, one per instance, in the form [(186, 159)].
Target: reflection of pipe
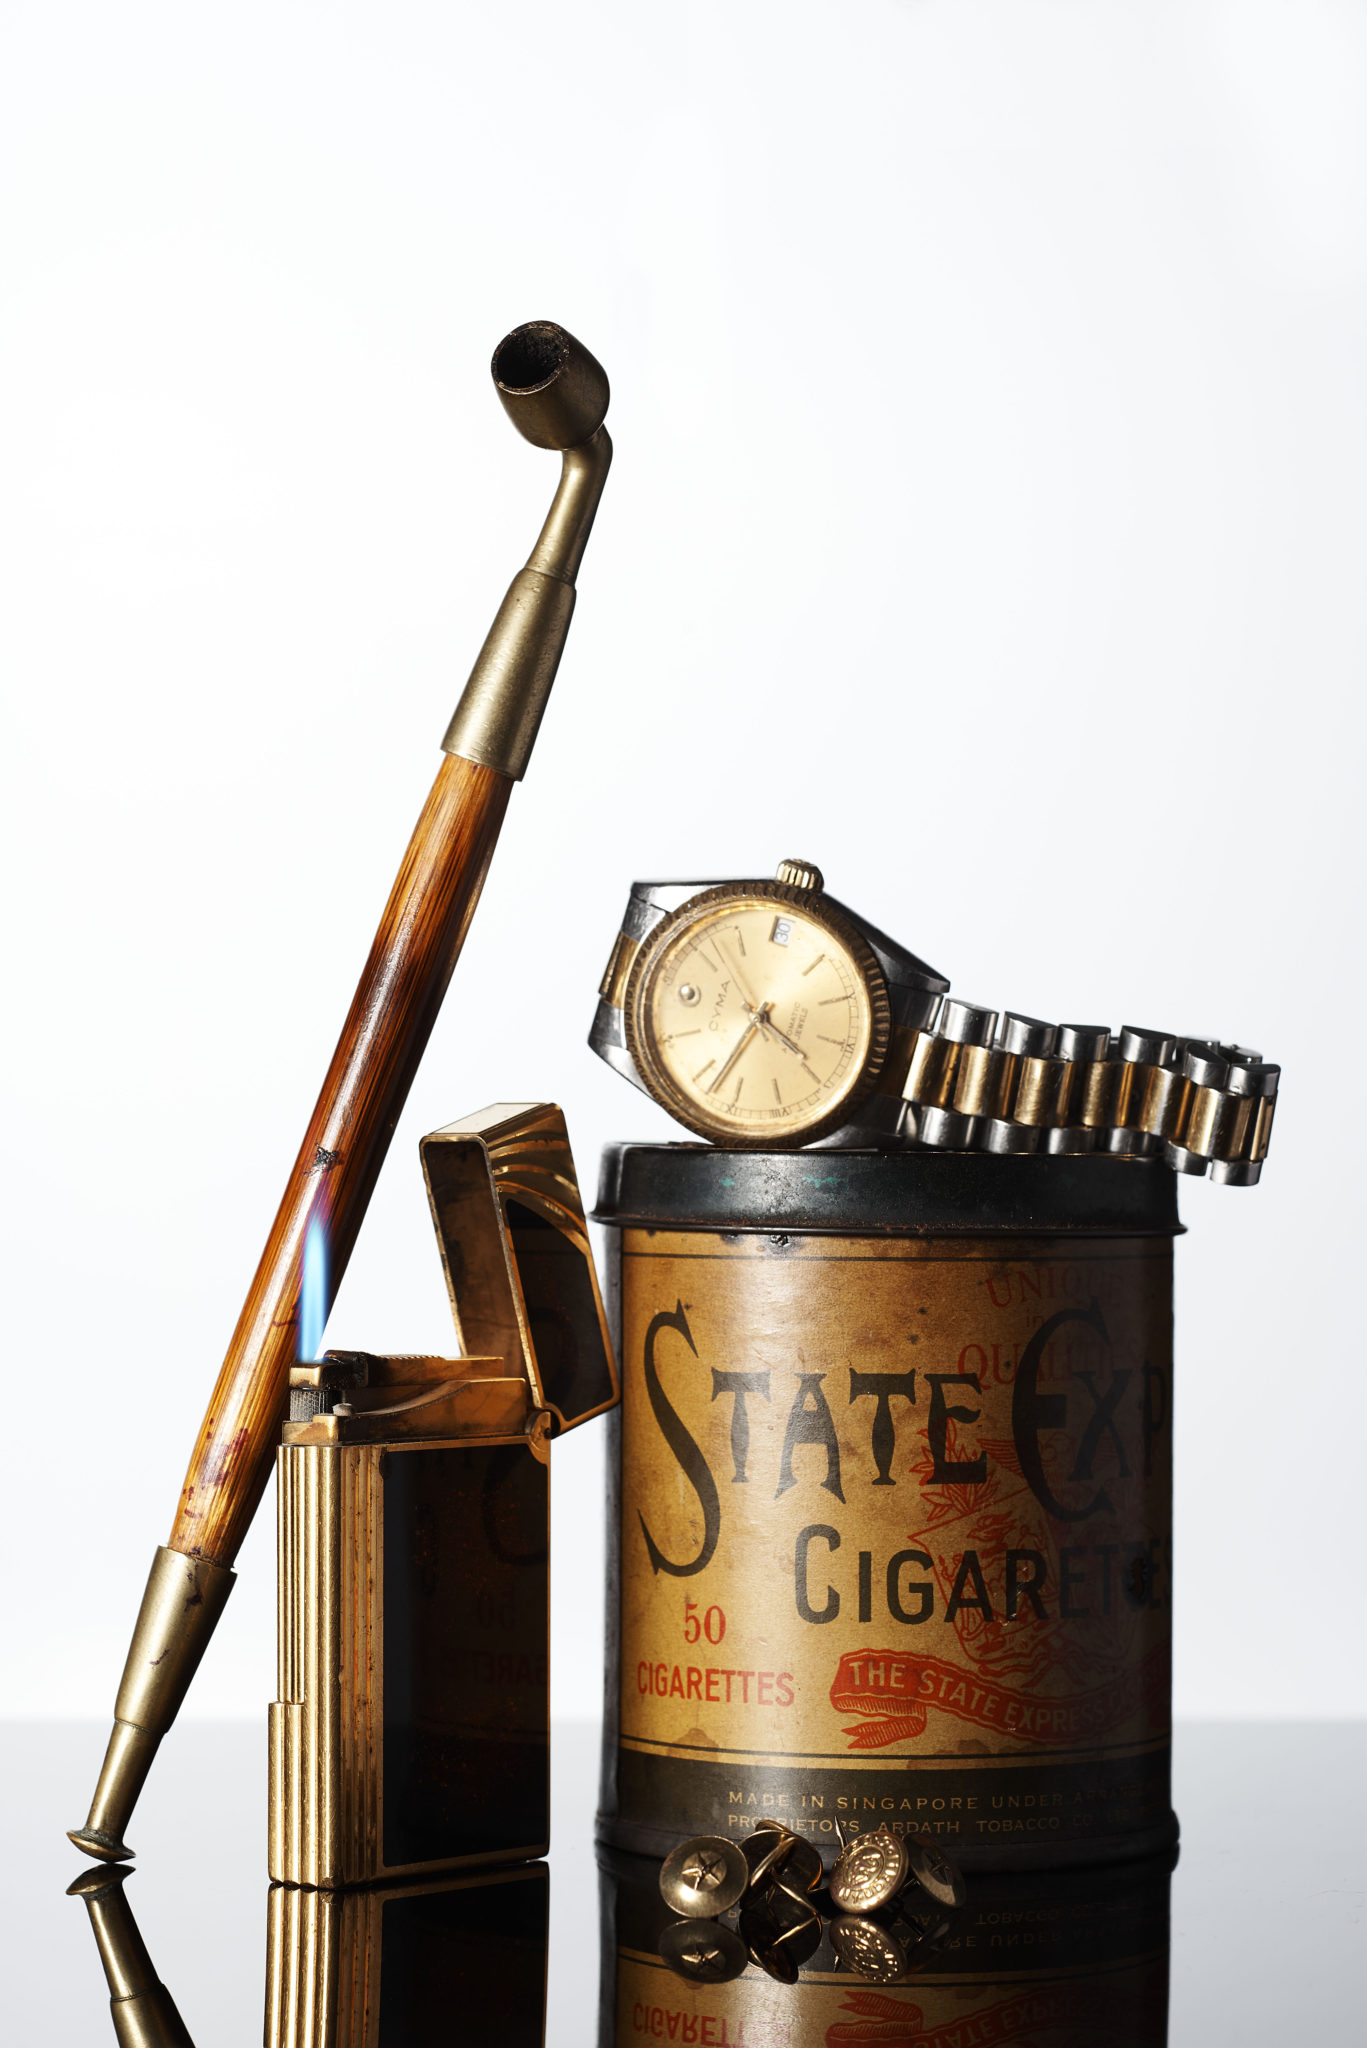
[(142, 2009), (556, 395)]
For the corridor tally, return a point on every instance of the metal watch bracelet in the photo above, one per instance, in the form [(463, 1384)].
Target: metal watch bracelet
[(976, 1081)]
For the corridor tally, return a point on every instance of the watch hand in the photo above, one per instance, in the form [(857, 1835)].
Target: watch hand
[(783, 1038), (755, 1025), (751, 1005), (789, 1044)]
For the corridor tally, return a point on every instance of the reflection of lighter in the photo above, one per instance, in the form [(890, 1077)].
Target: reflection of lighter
[(460, 1959), (411, 1732)]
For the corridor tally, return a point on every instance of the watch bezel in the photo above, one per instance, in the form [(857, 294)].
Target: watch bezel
[(813, 904)]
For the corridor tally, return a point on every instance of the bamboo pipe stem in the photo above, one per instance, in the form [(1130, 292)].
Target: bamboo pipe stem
[(386, 1031)]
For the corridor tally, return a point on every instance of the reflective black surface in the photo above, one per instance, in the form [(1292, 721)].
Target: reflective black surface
[(1046, 1958), (1266, 1922)]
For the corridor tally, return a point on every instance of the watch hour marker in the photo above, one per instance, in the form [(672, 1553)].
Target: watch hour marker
[(777, 1096), (824, 1040), (816, 963), (704, 1070), (695, 1032), (739, 1085), (826, 1001)]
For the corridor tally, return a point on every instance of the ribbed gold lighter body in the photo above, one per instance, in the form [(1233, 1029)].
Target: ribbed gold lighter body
[(325, 1762), (410, 1734)]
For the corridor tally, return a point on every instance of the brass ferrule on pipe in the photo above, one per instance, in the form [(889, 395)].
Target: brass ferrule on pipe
[(179, 1612), (556, 395), (143, 2010)]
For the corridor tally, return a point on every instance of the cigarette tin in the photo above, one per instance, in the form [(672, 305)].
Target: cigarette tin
[(411, 1731), (890, 1525)]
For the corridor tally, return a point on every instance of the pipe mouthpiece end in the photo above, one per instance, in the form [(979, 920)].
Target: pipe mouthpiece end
[(554, 392), (103, 1847)]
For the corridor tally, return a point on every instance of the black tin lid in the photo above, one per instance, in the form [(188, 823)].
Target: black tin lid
[(885, 1194)]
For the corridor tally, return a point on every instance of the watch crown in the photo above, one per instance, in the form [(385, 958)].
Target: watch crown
[(800, 874)]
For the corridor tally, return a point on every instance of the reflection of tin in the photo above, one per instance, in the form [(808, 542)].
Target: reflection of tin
[(891, 1539), (1056, 1959)]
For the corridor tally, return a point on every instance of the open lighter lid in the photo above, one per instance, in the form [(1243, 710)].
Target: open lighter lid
[(515, 1247)]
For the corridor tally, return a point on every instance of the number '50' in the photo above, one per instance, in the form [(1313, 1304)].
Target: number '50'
[(712, 1624)]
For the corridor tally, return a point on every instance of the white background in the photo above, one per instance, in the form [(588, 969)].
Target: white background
[(986, 525)]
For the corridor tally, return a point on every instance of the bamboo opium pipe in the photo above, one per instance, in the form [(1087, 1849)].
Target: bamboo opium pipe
[(556, 395)]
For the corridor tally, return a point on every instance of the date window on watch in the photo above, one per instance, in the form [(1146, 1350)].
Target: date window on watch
[(782, 931)]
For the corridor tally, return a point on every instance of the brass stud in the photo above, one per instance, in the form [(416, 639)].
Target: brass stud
[(869, 1871), (781, 1862), (934, 1872), (867, 1950), (765, 1850), (703, 1951), (704, 1877), (777, 1947)]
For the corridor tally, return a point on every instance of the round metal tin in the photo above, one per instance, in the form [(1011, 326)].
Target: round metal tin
[(890, 1500)]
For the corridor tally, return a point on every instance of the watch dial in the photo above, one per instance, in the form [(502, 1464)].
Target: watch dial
[(753, 1018)]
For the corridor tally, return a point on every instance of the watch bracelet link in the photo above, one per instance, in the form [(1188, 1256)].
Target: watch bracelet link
[(976, 1081)]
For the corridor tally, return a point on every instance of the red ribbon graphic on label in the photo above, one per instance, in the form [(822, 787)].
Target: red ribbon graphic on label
[(885, 2022), (897, 1691)]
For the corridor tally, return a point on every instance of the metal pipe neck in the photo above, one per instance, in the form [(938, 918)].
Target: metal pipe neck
[(583, 472), (499, 713)]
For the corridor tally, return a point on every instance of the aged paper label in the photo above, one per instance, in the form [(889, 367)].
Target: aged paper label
[(895, 1534), (1125, 2009)]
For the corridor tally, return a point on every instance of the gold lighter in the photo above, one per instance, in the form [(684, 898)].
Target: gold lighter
[(411, 1733)]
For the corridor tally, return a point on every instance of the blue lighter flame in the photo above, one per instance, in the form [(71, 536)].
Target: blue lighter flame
[(313, 1291)]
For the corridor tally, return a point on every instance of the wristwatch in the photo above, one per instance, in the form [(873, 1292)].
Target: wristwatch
[(766, 1014)]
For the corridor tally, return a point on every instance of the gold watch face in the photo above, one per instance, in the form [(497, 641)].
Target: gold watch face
[(757, 1015)]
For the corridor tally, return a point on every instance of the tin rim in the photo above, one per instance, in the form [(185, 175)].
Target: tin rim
[(884, 1194)]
